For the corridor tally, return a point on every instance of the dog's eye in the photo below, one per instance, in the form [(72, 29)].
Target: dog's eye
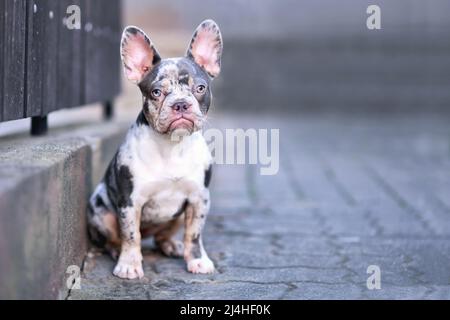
[(156, 93), (200, 88)]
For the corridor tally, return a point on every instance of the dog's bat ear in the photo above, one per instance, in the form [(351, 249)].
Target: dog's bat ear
[(138, 54), (206, 47)]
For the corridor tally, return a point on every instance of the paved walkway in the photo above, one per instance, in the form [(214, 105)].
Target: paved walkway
[(352, 191)]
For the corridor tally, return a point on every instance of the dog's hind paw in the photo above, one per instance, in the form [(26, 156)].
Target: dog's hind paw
[(172, 248)]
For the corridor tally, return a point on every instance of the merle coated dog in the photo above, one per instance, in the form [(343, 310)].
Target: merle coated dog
[(159, 177)]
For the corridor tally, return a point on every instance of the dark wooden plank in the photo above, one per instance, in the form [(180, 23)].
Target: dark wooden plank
[(69, 60), (14, 59), (115, 23), (42, 57), (93, 53), (35, 54), (105, 53), (2, 46), (51, 57), (85, 21), (102, 60)]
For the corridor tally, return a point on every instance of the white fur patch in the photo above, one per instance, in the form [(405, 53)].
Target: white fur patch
[(164, 171), (201, 265)]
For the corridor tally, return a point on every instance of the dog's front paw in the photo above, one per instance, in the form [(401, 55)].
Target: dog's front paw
[(201, 265), (129, 267)]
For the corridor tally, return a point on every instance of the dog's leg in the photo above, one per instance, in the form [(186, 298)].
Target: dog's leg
[(129, 265), (163, 239), (195, 255), (103, 227), (103, 232)]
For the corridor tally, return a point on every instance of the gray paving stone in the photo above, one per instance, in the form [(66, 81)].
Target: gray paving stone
[(319, 291), (351, 192)]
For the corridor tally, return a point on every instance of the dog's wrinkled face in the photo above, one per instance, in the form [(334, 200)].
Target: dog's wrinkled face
[(176, 91), (177, 95)]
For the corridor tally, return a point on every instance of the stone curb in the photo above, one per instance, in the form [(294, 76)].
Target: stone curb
[(44, 186)]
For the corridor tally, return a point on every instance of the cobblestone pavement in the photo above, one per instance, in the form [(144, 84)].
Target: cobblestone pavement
[(352, 191)]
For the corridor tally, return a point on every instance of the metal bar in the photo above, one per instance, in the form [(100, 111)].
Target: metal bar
[(39, 125), (108, 110)]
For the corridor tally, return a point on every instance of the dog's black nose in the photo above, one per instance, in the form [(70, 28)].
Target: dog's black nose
[(180, 106)]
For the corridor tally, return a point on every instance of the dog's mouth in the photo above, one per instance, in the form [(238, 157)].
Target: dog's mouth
[(183, 122)]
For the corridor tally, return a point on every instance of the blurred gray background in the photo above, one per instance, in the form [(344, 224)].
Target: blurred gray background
[(364, 152), (364, 159), (315, 55)]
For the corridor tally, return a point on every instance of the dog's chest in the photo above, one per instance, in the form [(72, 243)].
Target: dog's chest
[(162, 194), (166, 176)]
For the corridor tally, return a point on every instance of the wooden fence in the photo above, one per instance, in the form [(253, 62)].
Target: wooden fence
[(46, 66)]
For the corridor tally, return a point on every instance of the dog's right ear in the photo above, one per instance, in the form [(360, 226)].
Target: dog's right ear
[(138, 54)]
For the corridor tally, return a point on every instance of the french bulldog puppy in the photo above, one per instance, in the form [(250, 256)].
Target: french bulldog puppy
[(158, 180)]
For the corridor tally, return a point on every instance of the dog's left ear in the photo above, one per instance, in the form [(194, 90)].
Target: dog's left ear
[(206, 47), (138, 54)]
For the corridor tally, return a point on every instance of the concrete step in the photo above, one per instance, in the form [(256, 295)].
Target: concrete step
[(44, 186)]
